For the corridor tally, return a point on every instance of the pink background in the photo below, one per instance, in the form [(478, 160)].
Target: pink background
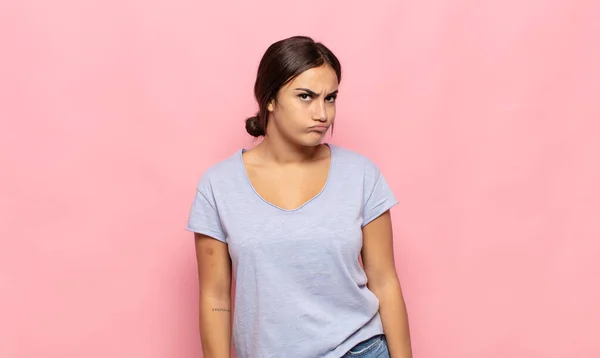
[(484, 118)]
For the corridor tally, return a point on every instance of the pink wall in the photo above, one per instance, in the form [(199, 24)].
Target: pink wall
[(484, 117)]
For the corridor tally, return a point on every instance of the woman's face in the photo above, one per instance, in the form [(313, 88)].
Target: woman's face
[(304, 108)]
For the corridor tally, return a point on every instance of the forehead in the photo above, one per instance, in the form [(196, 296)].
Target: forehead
[(316, 77)]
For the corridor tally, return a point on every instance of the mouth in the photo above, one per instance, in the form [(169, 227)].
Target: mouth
[(319, 128)]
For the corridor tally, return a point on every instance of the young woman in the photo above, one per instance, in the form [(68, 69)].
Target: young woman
[(303, 226)]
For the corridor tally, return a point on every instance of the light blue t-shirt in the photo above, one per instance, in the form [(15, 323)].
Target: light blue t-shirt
[(300, 289)]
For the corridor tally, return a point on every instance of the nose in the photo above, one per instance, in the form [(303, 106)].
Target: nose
[(320, 112)]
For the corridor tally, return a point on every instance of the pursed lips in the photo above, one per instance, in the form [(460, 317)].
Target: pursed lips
[(319, 128)]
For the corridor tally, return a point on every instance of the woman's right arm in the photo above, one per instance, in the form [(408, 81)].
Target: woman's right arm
[(214, 274)]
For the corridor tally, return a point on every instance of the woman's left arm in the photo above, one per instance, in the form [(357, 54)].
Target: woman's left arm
[(378, 261)]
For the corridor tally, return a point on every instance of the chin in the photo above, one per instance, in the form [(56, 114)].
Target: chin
[(310, 142)]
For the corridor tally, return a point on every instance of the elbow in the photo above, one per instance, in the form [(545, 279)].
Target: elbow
[(384, 285), (216, 293)]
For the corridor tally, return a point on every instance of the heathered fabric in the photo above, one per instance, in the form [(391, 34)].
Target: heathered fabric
[(300, 289)]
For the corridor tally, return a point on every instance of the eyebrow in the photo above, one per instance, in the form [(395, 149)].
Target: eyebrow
[(313, 93)]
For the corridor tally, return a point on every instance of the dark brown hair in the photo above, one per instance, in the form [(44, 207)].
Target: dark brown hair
[(281, 63)]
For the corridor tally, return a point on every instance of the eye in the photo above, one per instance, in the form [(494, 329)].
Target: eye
[(304, 96), (331, 99)]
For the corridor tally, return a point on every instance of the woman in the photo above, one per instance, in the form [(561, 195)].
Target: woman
[(291, 219)]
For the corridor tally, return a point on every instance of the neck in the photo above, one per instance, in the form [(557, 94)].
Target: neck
[(282, 152)]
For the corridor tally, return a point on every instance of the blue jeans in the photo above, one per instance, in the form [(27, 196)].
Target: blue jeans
[(374, 347)]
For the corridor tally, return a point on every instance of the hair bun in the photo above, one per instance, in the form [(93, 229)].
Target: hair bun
[(253, 127)]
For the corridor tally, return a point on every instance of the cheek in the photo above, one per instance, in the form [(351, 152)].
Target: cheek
[(331, 111), (291, 116)]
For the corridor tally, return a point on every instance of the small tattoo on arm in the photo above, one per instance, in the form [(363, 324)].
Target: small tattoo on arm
[(221, 309)]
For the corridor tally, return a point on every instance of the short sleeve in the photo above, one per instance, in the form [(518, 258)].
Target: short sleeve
[(204, 217), (378, 196)]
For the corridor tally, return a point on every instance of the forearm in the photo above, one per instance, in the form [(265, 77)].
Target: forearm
[(394, 318), (215, 326)]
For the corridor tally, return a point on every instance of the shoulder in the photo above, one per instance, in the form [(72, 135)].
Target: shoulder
[(353, 160), (221, 172)]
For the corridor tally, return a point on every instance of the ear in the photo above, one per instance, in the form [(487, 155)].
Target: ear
[(270, 106)]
